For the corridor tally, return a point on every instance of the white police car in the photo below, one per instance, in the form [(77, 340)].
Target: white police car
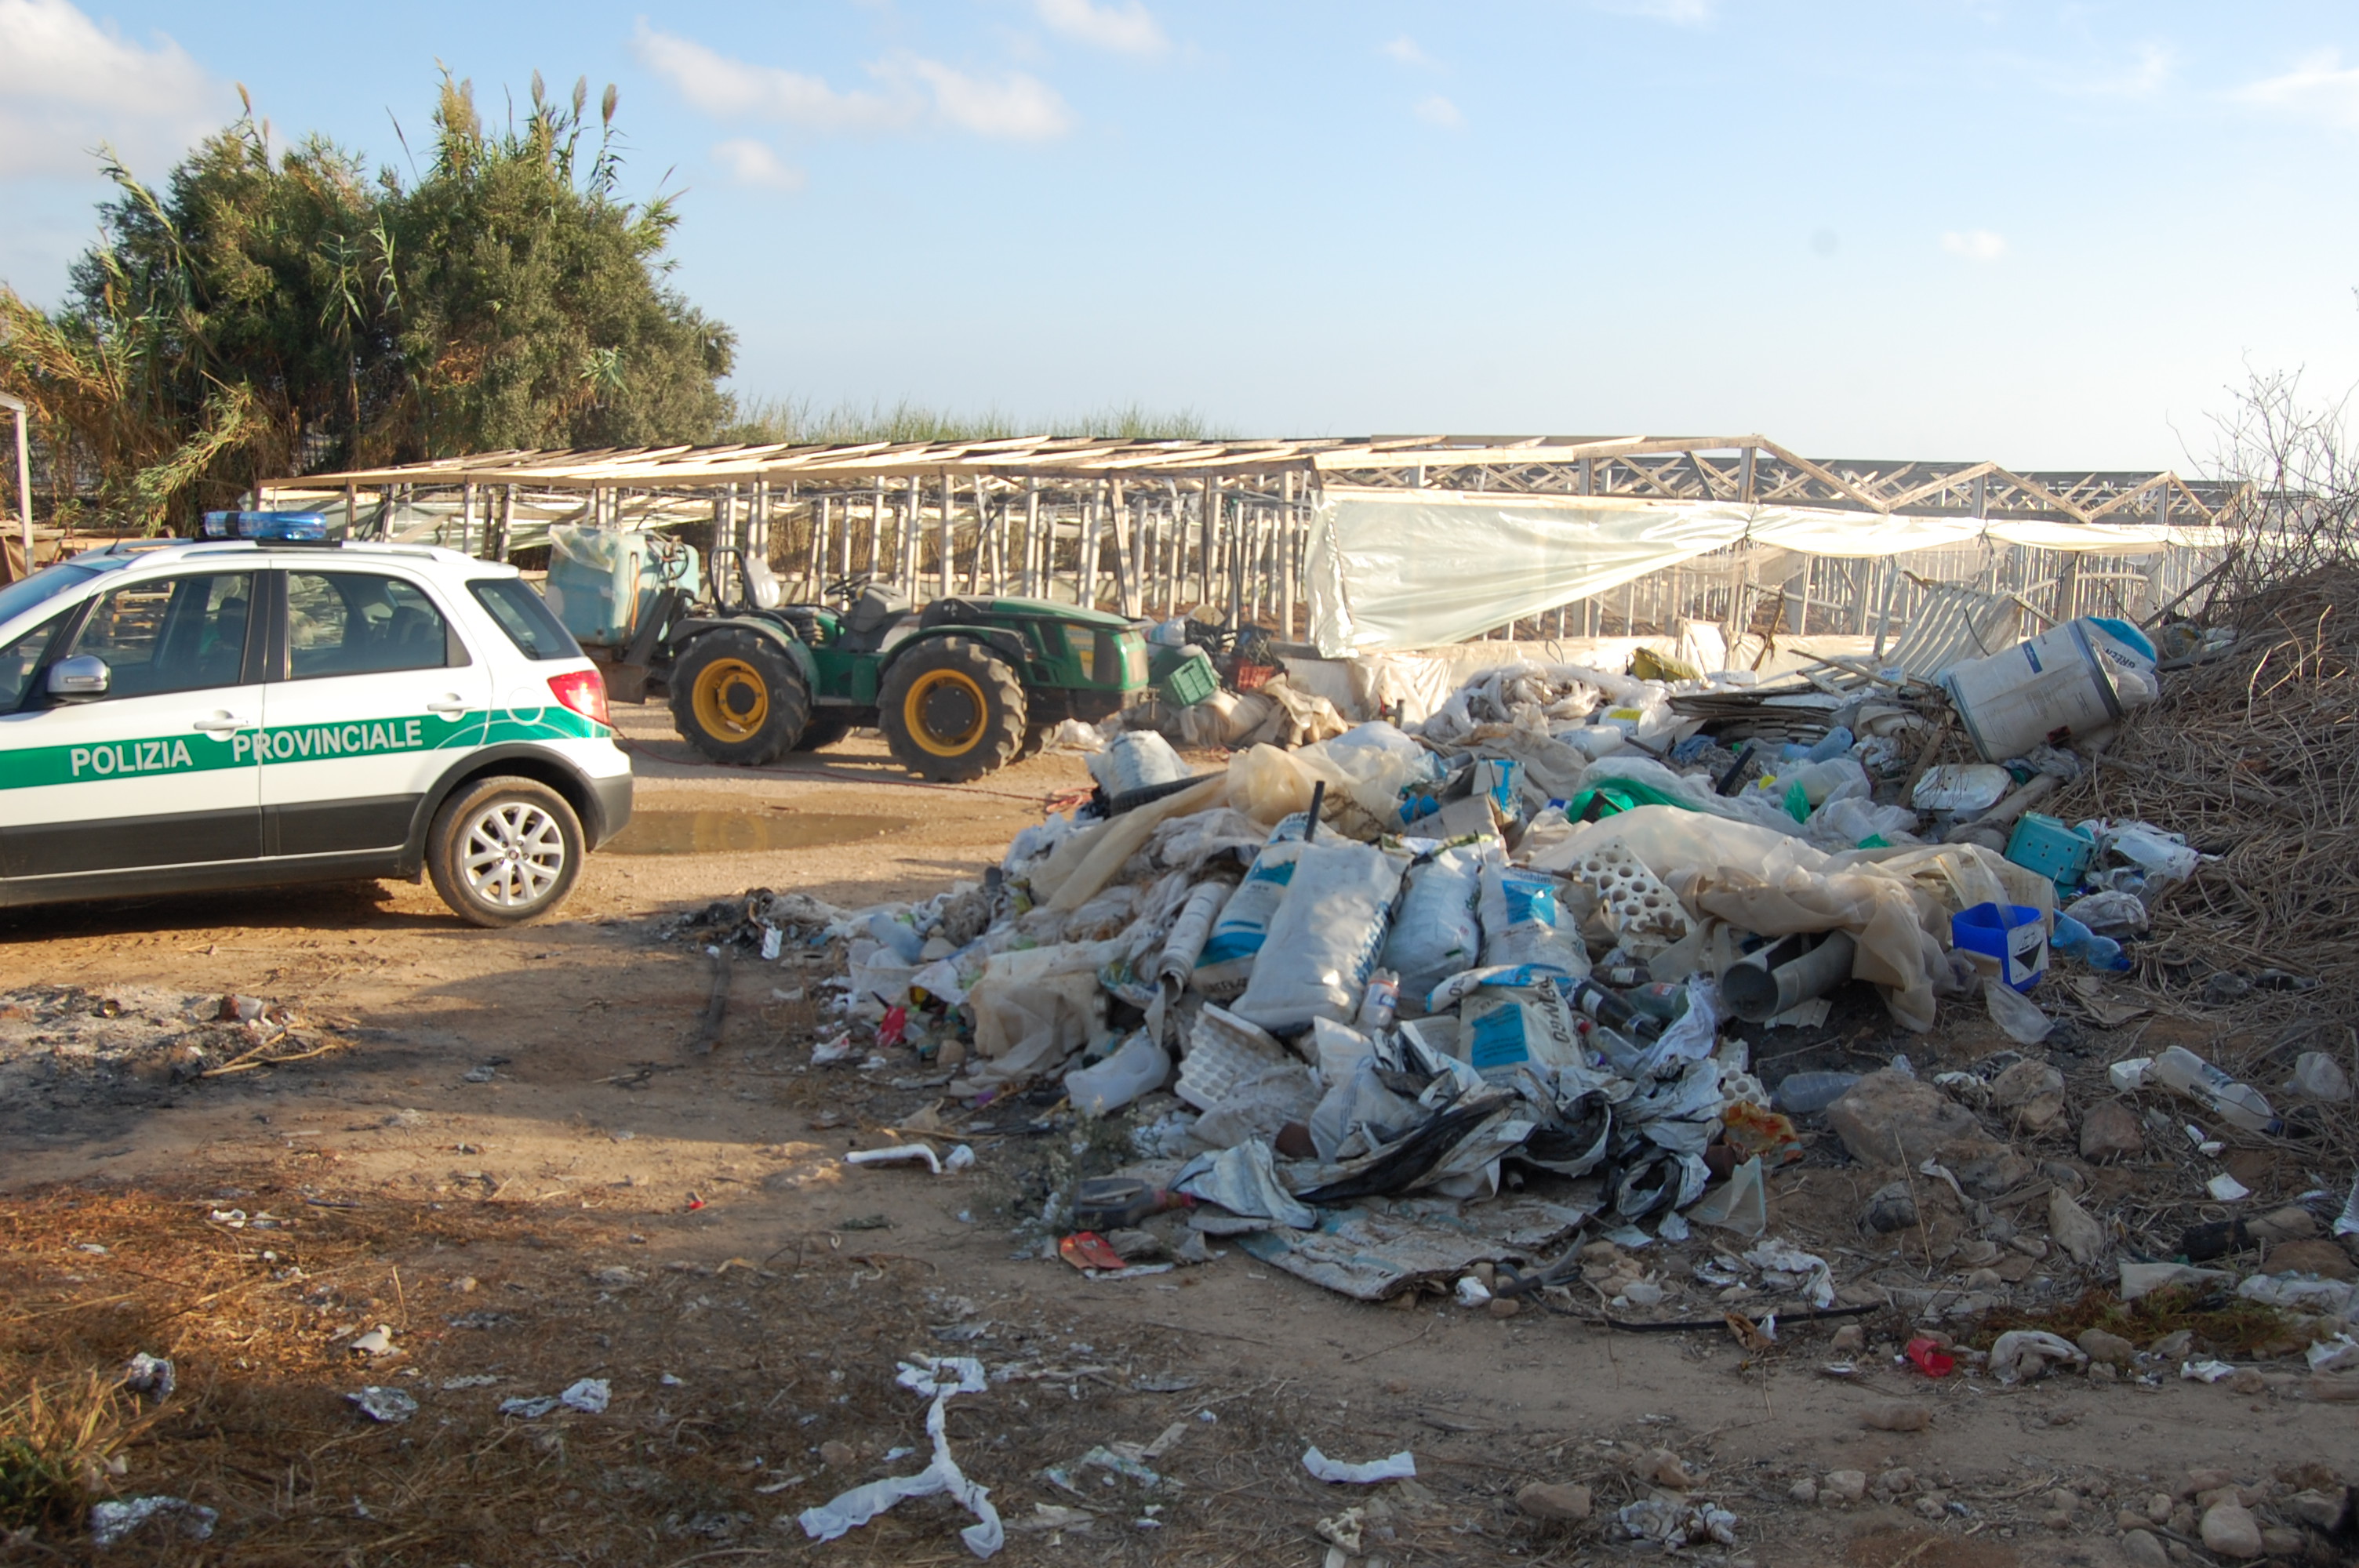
[(264, 705)]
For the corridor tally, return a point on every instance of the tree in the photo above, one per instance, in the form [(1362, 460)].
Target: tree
[(264, 314)]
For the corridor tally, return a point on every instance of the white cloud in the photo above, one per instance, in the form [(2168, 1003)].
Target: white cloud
[(1407, 51), (2319, 87), (1974, 245), (753, 163), (1015, 106), (731, 88), (1678, 13), (68, 83), (1124, 27), (1439, 111), (911, 91)]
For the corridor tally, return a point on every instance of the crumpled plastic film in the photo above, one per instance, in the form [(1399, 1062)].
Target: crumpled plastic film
[(1400, 1466), (1078, 869), (1033, 1007), (847, 1511)]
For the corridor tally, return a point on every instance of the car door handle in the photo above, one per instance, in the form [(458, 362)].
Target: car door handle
[(451, 705), (222, 723)]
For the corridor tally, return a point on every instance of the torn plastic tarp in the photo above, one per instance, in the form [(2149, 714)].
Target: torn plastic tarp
[(1401, 1467), (1244, 1179), (1373, 1252), (1388, 568), (848, 1511)]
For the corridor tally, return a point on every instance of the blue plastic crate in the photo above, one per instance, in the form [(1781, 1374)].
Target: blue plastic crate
[(2057, 850)]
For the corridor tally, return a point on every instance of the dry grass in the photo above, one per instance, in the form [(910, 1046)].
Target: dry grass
[(2255, 757), (775, 1356)]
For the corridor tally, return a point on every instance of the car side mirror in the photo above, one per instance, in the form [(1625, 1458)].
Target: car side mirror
[(78, 679)]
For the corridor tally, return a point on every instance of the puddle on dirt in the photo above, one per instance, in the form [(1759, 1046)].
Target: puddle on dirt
[(744, 832)]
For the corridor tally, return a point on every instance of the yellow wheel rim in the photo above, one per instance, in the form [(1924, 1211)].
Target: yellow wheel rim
[(732, 700), (938, 690)]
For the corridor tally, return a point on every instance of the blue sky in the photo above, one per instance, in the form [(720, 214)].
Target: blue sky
[(2048, 234)]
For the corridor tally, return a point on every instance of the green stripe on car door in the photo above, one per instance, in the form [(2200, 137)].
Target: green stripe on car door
[(31, 767)]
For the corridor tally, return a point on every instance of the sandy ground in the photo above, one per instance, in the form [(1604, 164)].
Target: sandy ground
[(599, 1124)]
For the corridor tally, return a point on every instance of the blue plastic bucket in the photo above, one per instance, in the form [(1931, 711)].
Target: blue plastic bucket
[(2005, 941)]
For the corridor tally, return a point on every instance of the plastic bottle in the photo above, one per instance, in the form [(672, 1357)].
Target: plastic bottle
[(2161, 854), (2240, 1105), (2097, 952), (1834, 744), (1379, 1003), (1801, 1093), (1659, 999), (1138, 1068)]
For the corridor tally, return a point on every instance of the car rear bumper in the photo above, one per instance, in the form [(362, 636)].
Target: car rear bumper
[(612, 806)]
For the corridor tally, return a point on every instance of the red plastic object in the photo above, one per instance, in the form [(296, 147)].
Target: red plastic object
[(695, 1202), (1088, 1249), (896, 1024), (1931, 1359)]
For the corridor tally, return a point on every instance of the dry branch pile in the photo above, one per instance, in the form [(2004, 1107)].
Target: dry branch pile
[(2255, 757)]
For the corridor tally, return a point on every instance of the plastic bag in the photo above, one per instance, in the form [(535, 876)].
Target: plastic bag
[(2115, 914), (1136, 760), (1325, 936), (1033, 1007), (1436, 933)]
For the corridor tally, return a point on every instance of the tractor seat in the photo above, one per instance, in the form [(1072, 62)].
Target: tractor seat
[(871, 619), (952, 612)]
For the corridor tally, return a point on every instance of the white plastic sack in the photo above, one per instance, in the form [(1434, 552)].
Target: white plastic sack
[(1436, 934), (1324, 939), (1523, 921), (1225, 962)]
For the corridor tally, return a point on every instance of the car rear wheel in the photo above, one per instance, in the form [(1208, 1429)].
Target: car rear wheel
[(502, 851), (736, 698), (951, 710)]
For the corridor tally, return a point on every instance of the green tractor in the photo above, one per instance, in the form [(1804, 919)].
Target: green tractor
[(959, 687)]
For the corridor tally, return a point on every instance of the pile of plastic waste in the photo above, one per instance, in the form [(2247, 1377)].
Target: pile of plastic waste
[(1364, 984)]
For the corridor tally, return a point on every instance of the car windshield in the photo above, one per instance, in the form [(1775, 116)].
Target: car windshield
[(46, 584)]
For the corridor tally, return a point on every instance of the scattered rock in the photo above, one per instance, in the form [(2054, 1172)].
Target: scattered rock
[(1896, 1482), (1896, 1415), (2075, 1229), (2315, 1507), (1503, 1307), (2106, 1349), (1849, 1339), (2283, 1542), (2198, 1482), (1842, 1487), (1932, 1508), (2141, 1549), (2323, 1258), (2174, 1345), (1565, 1500), (1661, 1468), (1805, 1490), (2231, 1530), (1892, 1207), (2109, 1131), (836, 1455), (1888, 1119), (2032, 1093)]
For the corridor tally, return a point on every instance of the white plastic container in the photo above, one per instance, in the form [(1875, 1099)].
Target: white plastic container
[(2240, 1105), (2049, 689)]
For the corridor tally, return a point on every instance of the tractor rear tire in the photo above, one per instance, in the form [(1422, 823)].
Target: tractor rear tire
[(738, 699), (825, 729), (951, 710)]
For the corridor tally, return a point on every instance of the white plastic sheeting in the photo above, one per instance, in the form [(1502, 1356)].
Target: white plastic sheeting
[(1390, 568)]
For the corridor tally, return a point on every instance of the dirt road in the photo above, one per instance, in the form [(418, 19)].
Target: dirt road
[(512, 1156)]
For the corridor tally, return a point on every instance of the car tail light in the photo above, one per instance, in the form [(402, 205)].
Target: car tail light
[(583, 691)]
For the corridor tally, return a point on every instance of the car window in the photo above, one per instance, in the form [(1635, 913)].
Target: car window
[(47, 583), (172, 633), (20, 658), (536, 634), (358, 623)]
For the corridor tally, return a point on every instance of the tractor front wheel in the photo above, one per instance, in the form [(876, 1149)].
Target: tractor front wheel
[(951, 710), (736, 698)]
